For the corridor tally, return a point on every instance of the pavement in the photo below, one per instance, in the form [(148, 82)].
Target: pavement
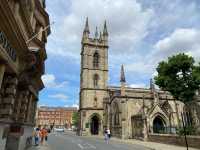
[(156, 146), (69, 141)]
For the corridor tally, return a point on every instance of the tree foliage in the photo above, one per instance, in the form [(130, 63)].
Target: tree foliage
[(180, 76), (75, 118)]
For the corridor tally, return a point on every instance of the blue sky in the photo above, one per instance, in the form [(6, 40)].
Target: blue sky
[(141, 33)]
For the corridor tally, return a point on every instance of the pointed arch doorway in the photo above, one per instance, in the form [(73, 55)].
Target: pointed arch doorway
[(159, 125), (94, 125)]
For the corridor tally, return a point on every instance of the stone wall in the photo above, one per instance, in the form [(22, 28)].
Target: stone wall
[(193, 141), (26, 138), (2, 140)]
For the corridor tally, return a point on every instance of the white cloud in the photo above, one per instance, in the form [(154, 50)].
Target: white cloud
[(185, 40), (163, 33), (141, 67), (127, 24), (61, 97), (42, 105), (50, 82), (138, 85), (75, 105)]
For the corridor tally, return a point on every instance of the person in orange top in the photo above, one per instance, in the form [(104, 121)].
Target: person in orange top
[(43, 134)]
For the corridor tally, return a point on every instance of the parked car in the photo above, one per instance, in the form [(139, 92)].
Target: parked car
[(59, 129), (69, 129)]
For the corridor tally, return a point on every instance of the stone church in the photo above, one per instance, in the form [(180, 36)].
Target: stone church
[(127, 112)]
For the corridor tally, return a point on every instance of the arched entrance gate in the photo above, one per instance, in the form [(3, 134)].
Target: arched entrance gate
[(95, 124)]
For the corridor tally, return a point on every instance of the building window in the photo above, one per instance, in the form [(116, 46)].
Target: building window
[(95, 102), (96, 60), (96, 79)]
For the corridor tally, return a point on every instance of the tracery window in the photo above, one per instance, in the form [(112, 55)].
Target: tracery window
[(96, 60), (95, 80)]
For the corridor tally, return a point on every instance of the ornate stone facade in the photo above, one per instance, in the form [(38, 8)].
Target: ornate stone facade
[(128, 112), (21, 67)]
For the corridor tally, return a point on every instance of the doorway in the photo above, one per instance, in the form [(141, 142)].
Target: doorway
[(137, 127), (94, 126), (158, 125)]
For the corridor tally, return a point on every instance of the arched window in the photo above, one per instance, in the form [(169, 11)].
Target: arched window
[(116, 114), (95, 80), (96, 60), (187, 116)]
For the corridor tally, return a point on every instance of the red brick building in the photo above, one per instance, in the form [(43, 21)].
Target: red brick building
[(58, 117)]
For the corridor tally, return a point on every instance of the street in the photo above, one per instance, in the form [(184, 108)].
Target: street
[(69, 141)]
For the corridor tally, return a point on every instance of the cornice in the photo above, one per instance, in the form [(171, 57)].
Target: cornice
[(93, 45), (97, 69), (93, 89), (26, 19), (14, 27), (44, 13), (90, 108)]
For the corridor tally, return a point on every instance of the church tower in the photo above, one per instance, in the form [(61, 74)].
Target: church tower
[(93, 80)]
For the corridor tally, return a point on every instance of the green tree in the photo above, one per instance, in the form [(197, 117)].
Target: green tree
[(180, 76), (75, 119)]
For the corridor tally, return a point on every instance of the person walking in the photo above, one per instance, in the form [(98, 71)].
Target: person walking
[(36, 135), (46, 135), (106, 136), (43, 134), (108, 132)]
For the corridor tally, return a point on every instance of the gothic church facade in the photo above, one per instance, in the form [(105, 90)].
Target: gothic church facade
[(127, 112)]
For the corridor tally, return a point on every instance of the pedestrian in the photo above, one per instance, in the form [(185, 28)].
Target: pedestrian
[(43, 134), (108, 132), (46, 135), (106, 136), (36, 135)]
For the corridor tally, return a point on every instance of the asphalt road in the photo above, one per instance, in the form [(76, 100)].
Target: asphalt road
[(69, 141)]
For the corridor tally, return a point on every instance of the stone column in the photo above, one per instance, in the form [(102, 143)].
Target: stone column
[(145, 129), (29, 110), (2, 70), (124, 119), (34, 112), (8, 99), (23, 109)]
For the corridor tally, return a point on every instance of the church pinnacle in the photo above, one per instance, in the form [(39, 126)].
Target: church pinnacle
[(86, 29), (96, 33), (105, 31), (122, 77)]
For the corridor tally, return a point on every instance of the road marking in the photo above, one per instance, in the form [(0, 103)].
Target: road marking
[(86, 146), (91, 146), (80, 146)]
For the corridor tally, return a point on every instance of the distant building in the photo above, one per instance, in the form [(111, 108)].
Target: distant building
[(22, 56), (59, 117)]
